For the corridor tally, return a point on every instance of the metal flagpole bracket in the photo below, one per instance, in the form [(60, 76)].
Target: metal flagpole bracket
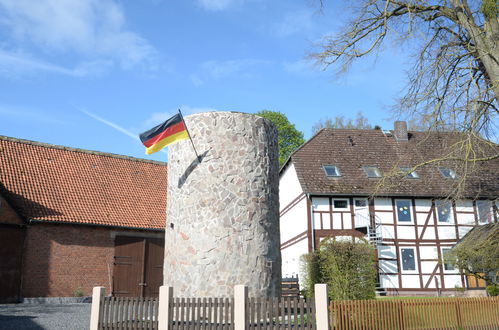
[(190, 138)]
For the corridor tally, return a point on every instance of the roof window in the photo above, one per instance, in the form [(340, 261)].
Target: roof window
[(331, 170), (447, 173), (372, 171), (410, 174)]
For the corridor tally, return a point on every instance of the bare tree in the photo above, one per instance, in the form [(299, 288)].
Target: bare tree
[(360, 122), (454, 81)]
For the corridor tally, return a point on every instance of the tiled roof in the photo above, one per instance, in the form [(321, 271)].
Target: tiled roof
[(58, 184), (351, 149)]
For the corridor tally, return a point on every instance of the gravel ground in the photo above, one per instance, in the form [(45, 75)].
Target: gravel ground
[(45, 316)]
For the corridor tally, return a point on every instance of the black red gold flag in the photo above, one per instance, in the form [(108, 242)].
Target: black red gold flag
[(171, 131)]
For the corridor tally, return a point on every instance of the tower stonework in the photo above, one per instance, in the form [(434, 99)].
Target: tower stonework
[(223, 212)]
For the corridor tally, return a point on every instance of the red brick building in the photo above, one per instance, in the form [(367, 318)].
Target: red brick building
[(71, 219)]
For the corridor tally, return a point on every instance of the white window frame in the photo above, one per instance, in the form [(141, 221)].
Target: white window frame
[(376, 169), (341, 208), (410, 209), (451, 213), (413, 175), (402, 270), (331, 176), (452, 173), (453, 271)]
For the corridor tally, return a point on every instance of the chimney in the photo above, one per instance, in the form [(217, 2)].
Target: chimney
[(400, 131)]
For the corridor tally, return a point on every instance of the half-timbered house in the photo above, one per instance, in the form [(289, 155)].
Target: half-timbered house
[(330, 187)]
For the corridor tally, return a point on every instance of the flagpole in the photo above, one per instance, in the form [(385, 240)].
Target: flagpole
[(190, 138)]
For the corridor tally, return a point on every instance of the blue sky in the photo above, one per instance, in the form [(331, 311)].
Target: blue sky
[(93, 74)]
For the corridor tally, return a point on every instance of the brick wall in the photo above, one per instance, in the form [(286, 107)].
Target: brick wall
[(58, 259), (7, 214)]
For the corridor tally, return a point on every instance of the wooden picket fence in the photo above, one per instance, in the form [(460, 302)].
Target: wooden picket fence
[(128, 313), (280, 313), (431, 313), (201, 313)]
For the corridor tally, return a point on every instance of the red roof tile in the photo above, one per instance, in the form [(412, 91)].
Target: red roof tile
[(351, 149), (52, 183)]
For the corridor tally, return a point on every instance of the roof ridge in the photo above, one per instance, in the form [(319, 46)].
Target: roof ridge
[(85, 151)]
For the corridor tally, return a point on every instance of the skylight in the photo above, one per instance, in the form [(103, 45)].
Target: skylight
[(447, 173), (372, 171), (331, 170), (410, 175)]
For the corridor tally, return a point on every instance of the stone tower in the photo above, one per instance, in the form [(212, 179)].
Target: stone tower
[(222, 223)]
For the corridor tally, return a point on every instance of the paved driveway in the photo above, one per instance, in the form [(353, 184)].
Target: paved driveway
[(45, 316)]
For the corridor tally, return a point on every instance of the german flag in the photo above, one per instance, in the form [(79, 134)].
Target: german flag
[(169, 132)]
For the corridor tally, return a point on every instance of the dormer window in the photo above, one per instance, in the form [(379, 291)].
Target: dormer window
[(447, 173), (331, 170), (410, 175), (372, 171)]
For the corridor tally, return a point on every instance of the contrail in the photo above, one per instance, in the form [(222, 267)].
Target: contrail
[(111, 124), (115, 126)]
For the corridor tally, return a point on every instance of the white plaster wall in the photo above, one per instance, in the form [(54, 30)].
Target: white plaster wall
[(465, 219), (421, 219), (446, 232), (428, 266), (289, 186), (410, 281), (320, 204), (423, 205), (451, 281), (384, 217), (389, 281), (429, 233), (294, 221), (383, 204), (291, 258), (428, 252), (406, 232), (432, 283)]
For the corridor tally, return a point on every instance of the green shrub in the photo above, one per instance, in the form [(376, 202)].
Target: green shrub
[(78, 292), (347, 268), (492, 290)]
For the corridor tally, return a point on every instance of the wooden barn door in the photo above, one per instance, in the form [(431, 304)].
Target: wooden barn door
[(138, 266), (11, 248)]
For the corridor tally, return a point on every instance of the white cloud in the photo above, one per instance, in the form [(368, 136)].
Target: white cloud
[(95, 29), (196, 81), (301, 67), (293, 23), (218, 5), (15, 64), (220, 69), (20, 113)]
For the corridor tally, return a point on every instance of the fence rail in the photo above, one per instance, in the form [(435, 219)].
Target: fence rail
[(128, 313), (432, 313), (280, 313), (243, 313), (201, 313)]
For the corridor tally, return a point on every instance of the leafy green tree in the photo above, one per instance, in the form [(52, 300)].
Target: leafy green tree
[(289, 138), (347, 268)]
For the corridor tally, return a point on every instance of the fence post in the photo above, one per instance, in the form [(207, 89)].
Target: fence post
[(97, 295), (321, 310), (164, 311), (240, 313)]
